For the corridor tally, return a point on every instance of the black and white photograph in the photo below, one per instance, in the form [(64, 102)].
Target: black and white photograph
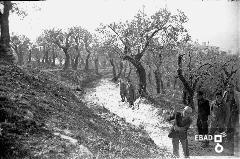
[(119, 79)]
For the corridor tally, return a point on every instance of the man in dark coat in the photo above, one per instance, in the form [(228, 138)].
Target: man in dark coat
[(203, 113)]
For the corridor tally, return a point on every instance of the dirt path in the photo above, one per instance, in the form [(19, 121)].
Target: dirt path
[(106, 93)]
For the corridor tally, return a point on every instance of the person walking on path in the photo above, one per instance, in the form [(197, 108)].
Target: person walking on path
[(179, 130), (123, 89)]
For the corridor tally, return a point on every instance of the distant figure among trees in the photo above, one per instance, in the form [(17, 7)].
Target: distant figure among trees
[(131, 93), (127, 91), (123, 89)]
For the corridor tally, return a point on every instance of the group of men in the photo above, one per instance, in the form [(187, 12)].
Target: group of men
[(127, 91), (219, 115)]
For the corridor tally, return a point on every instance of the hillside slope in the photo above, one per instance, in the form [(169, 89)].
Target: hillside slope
[(42, 116)]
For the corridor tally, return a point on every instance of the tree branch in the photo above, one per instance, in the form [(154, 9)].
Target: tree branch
[(86, 47), (67, 45), (210, 65), (140, 54), (180, 74), (198, 78), (117, 34), (130, 59), (58, 44), (116, 52), (231, 74)]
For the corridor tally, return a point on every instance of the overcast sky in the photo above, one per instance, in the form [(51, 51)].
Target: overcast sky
[(216, 21)]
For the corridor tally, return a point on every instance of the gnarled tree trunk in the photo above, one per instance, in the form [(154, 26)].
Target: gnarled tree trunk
[(67, 60), (162, 85), (124, 70), (159, 82), (174, 83), (87, 58), (72, 61), (142, 78), (46, 57), (5, 51), (30, 56), (60, 61), (140, 72), (82, 63), (96, 65), (189, 88), (20, 57), (129, 73), (53, 58), (87, 62), (119, 72), (149, 77), (76, 61), (113, 69)]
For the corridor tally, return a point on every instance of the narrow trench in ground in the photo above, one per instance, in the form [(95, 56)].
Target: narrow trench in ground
[(106, 93)]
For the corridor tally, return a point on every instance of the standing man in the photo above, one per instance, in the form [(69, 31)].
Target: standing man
[(203, 113), (131, 93), (220, 114), (123, 89), (232, 101), (179, 131)]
